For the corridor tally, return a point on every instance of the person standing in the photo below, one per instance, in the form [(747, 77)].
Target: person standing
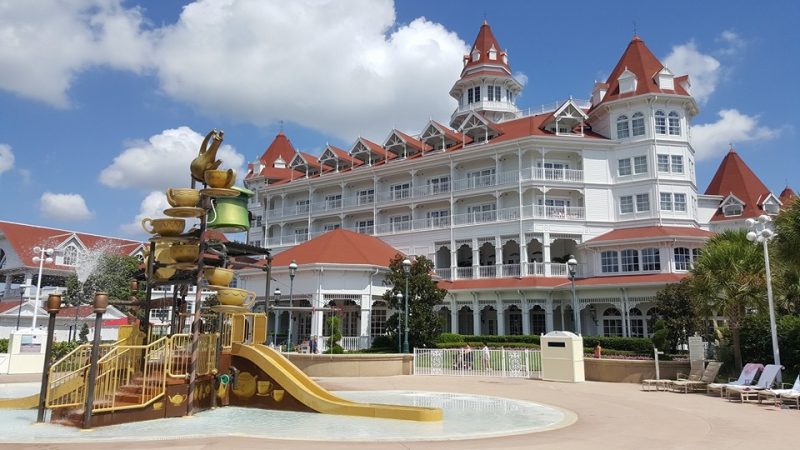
[(468, 357), (485, 357), (313, 345)]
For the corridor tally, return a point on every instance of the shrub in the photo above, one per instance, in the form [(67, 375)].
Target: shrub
[(639, 346), (384, 343), (3, 345), (450, 338)]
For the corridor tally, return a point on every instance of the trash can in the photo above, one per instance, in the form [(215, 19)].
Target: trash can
[(562, 357)]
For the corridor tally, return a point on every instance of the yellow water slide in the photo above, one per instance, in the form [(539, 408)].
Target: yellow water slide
[(32, 401), (308, 392)]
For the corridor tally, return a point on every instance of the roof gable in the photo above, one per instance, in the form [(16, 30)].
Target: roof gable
[(734, 177), (339, 246)]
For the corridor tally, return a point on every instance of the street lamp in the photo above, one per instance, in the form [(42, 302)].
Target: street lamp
[(406, 273), (44, 257), (399, 297), (760, 232), (572, 265), (275, 316), (292, 271)]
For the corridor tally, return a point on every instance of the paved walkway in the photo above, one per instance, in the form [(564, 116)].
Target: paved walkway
[(610, 415)]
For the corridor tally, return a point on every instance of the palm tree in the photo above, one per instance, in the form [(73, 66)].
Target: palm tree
[(728, 279), (787, 239)]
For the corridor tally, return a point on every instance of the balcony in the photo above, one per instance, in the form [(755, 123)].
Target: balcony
[(552, 175), (533, 269)]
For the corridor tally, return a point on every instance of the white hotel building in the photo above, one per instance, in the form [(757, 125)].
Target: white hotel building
[(500, 198)]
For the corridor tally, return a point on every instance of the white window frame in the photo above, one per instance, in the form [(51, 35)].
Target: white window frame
[(661, 122), (663, 160), (679, 205), (439, 185), (609, 261), (623, 127), (624, 201), (651, 259), (366, 196), (400, 191), (665, 201), (626, 163), (642, 199), (637, 125), (333, 201), (440, 218), (674, 123), (639, 167), (482, 177), (365, 226), (629, 260), (682, 259)]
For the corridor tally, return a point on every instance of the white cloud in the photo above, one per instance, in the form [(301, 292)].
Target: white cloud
[(163, 161), (732, 43), (344, 68), (712, 139), (703, 69), (45, 44), (6, 158), (69, 207), (152, 206)]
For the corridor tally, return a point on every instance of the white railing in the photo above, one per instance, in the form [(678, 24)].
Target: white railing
[(462, 184), (534, 268), (548, 107), (511, 363), (487, 272), (564, 175), (354, 343), (444, 273), (463, 273), (428, 190), (31, 292), (510, 270), (475, 217)]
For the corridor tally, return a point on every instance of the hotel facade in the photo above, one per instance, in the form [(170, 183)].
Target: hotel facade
[(500, 199)]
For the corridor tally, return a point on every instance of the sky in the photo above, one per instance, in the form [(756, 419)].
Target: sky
[(103, 104)]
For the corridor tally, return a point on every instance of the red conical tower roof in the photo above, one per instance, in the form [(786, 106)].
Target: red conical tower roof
[(639, 60), (787, 195), (484, 43), (734, 177), (281, 148)]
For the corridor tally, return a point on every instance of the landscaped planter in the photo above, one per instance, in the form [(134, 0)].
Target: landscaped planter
[(352, 365), (631, 370)]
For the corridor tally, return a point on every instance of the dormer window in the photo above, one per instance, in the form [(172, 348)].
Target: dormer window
[(627, 82), (492, 53), (665, 79), (279, 163), (476, 55), (70, 256), (771, 208), (732, 210)]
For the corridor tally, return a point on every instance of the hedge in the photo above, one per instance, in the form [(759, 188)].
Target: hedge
[(635, 346)]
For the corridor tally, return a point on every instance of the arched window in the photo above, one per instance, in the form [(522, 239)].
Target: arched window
[(661, 122), (609, 262), (674, 124), (70, 256), (612, 322), (651, 259), (538, 323), (637, 322), (637, 124), (630, 260), (682, 258), (622, 127)]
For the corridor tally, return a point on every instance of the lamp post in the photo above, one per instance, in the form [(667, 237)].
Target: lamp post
[(572, 265), (760, 232), (292, 271), (53, 306), (406, 273), (23, 288), (275, 317), (100, 305), (43, 257), (399, 297)]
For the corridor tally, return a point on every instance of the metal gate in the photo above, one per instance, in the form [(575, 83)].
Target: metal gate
[(515, 363)]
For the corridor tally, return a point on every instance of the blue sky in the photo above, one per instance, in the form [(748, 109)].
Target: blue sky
[(102, 103)]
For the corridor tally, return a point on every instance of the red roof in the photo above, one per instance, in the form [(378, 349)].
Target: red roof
[(655, 232), (529, 126), (343, 155), (484, 42), (69, 311), (787, 196), (339, 246), (23, 238), (734, 177), (282, 148), (656, 278), (638, 59), (412, 141)]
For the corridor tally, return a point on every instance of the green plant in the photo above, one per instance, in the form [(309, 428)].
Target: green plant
[(83, 335), (60, 349), (335, 325), (383, 343), (3, 345), (449, 338)]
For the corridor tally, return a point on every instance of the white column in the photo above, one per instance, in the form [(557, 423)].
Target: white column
[(546, 253), (523, 256), (476, 318), (366, 314), (498, 260), (453, 317), (501, 320), (548, 316), (476, 258)]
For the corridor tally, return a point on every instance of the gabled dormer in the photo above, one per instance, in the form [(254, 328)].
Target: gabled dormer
[(337, 159), (732, 206), (279, 163), (627, 82), (368, 152), (402, 145), (439, 137), (771, 204), (665, 80), (599, 92), (568, 120), (478, 128), (305, 163), (69, 250)]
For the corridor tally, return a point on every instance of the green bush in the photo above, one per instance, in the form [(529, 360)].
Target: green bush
[(383, 343), (450, 338), (3, 345), (60, 349), (639, 346), (756, 341)]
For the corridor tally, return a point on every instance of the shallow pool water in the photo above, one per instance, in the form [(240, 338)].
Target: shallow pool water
[(466, 416)]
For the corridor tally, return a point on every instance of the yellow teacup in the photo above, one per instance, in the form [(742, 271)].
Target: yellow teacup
[(219, 276), (164, 227), (235, 297), (220, 178), (185, 253), (277, 394), (263, 387), (183, 197)]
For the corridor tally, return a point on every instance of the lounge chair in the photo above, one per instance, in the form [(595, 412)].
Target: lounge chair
[(765, 381), (709, 375), (746, 378), (777, 395), (791, 397), (661, 384)]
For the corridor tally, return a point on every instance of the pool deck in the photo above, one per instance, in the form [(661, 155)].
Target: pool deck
[(610, 415)]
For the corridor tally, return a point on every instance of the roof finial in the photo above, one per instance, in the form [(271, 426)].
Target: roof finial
[(281, 128), (635, 30)]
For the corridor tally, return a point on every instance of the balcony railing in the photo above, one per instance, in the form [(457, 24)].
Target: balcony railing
[(532, 269), (557, 175)]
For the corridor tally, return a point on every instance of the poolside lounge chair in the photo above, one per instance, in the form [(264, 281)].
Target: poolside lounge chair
[(765, 381), (694, 375), (777, 395), (746, 378), (709, 375), (791, 397)]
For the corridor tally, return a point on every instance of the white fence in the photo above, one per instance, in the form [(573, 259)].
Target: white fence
[(514, 363)]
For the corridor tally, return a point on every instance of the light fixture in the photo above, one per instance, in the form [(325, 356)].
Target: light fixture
[(761, 233), (44, 256)]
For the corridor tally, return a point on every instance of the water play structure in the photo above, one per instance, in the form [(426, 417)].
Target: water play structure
[(143, 376)]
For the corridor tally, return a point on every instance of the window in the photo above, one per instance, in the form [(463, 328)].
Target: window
[(666, 201), (400, 223), (553, 170), (497, 93), (642, 202), (626, 204), (365, 226), (257, 243), (696, 253), (333, 201), (651, 259), (609, 262), (732, 209), (680, 202), (509, 96), (482, 213), (378, 320), (490, 93), (469, 96), (331, 227), (663, 163), (481, 178), (661, 122), (622, 127), (301, 206), (771, 208), (439, 218), (677, 164), (612, 322), (477, 94), (538, 321), (637, 124), (624, 167), (637, 322), (674, 124), (640, 164), (400, 191), (301, 234), (70, 256), (682, 258), (630, 260), (366, 196), (439, 185)]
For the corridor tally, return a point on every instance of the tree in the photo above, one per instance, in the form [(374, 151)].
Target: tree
[(113, 275), (84, 334), (335, 325), (785, 261), (424, 325), (727, 280), (678, 312)]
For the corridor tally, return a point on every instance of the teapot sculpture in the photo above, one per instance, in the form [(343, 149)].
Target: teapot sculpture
[(207, 158)]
